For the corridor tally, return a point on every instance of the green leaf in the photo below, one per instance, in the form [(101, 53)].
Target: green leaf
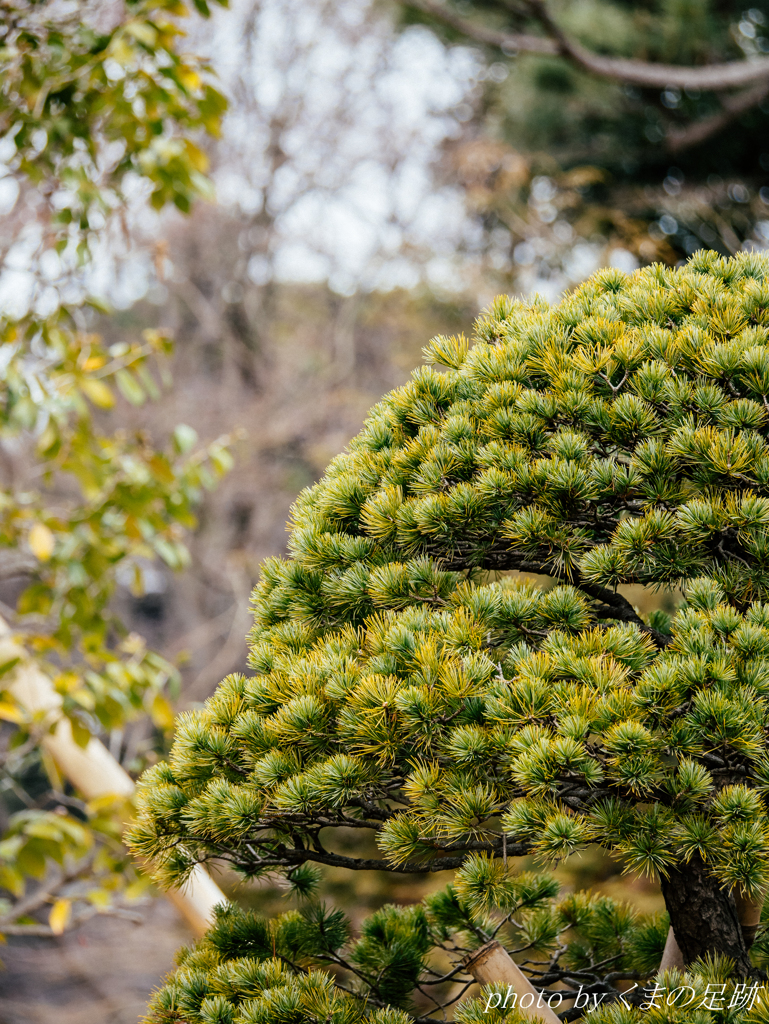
[(129, 387), (98, 392), (185, 438)]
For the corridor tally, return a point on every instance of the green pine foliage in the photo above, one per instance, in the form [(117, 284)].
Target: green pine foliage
[(248, 969), (408, 686)]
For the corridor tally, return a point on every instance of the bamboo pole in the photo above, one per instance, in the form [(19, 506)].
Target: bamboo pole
[(492, 964), (93, 771), (749, 912), (672, 957)]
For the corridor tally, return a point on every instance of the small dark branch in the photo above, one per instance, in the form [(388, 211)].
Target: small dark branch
[(731, 555), (589, 974), (614, 387), (292, 858), (611, 604), (621, 609), (449, 1002), (234, 767), (370, 808), (334, 958), (713, 760), (520, 41), (679, 139), (284, 857), (459, 969)]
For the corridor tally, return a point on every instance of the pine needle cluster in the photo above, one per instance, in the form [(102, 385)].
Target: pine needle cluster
[(408, 686)]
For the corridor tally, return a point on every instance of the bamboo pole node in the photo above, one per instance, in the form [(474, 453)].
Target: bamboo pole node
[(749, 913), (493, 965)]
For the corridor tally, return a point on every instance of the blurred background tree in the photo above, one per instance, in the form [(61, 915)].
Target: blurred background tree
[(633, 131)]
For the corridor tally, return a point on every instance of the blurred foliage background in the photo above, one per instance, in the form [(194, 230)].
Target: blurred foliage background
[(554, 157), (224, 233)]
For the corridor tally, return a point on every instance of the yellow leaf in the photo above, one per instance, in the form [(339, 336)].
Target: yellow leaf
[(93, 363), (132, 528), (108, 802), (190, 79), (59, 917), (47, 439), (161, 470), (10, 713), (99, 393), (120, 50), (12, 879), (158, 340), (67, 682), (137, 888), (143, 31), (52, 770), (162, 712), (41, 541), (80, 733), (197, 157), (100, 898)]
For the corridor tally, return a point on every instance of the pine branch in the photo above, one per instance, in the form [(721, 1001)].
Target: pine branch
[(611, 605), (709, 77), (678, 140), (292, 858), (403, 692)]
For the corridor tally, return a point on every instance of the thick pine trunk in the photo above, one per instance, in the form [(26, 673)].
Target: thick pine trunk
[(704, 917)]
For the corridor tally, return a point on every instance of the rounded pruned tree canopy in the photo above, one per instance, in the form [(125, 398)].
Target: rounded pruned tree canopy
[(408, 685)]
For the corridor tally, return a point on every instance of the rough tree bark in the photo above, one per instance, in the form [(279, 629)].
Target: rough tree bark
[(704, 916)]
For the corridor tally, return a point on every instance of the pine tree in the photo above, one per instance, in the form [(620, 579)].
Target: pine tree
[(627, 110), (410, 684)]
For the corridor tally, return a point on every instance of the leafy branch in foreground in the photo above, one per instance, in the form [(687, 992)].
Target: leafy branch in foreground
[(87, 111), (88, 98), (80, 508)]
